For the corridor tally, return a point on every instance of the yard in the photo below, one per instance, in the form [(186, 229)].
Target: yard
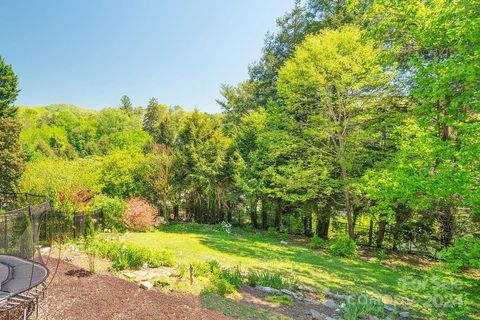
[(378, 276)]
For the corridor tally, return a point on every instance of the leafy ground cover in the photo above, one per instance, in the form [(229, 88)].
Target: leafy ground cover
[(257, 251)]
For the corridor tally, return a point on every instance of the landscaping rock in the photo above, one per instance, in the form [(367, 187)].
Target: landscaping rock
[(307, 289), (267, 289), (316, 315), (146, 285), (284, 242), (45, 250), (388, 308), (311, 301), (290, 293), (335, 295), (330, 304), (404, 314), (129, 275)]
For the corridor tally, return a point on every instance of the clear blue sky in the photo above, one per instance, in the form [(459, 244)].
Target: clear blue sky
[(90, 53)]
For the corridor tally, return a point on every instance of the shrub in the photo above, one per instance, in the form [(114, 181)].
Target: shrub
[(220, 286), (113, 211), (140, 215), (270, 279), (89, 227), (126, 256), (317, 243), (233, 276), (280, 299), (272, 232), (343, 246), (362, 307), (464, 253)]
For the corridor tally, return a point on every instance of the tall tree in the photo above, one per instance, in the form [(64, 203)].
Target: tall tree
[(332, 86), (11, 156), (8, 90), (126, 105)]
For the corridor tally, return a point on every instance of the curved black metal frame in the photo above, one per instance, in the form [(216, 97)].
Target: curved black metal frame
[(25, 302)]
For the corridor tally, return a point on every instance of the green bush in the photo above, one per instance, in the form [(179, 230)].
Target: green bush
[(220, 286), (270, 279), (233, 276), (464, 253), (126, 256), (89, 227), (342, 246), (113, 211), (280, 299), (272, 232), (317, 243), (362, 307)]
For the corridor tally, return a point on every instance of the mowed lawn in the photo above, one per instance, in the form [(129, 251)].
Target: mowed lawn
[(191, 243)]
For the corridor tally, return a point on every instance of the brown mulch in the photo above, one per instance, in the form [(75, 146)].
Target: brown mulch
[(77, 294)]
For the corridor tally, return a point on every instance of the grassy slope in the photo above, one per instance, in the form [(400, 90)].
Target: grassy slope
[(198, 243)]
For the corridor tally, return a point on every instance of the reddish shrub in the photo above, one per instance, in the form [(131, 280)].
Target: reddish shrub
[(140, 215)]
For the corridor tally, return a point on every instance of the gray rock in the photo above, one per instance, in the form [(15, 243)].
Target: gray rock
[(316, 315), (146, 285), (284, 242), (329, 318), (388, 308), (404, 314), (329, 303), (307, 289), (290, 293), (311, 301), (129, 275), (267, 289)]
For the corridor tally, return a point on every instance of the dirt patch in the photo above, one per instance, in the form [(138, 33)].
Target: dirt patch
[(72, 296)]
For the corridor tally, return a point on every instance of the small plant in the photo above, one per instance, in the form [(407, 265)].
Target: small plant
[(129, 256), (89, 227), (317, 243), (270, 279), (465, 253), (382, 254), (224, 227), (220, 286), (140, 215), (280, 299), (272, 231), (233, 276), (343, 246), (362, 307)]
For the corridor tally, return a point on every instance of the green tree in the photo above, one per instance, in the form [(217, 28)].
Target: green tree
[(332, 86), (126, 105), (8, 90)]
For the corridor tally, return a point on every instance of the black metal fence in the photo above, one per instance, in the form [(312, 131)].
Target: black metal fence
[(79, 222)]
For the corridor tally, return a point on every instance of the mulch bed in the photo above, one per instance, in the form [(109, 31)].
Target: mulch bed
[(77, 294)]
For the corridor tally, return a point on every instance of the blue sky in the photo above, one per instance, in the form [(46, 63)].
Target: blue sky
[(90, 53)]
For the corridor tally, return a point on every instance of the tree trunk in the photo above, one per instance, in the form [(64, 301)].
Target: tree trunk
[(381, 233), (447, 226), (323, 222), (278, 215), (264, 213), (370, 233), (348, 204), (253, 212), (176, 211)]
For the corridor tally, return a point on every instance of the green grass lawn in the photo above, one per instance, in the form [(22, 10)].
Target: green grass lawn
[(192, 243)]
